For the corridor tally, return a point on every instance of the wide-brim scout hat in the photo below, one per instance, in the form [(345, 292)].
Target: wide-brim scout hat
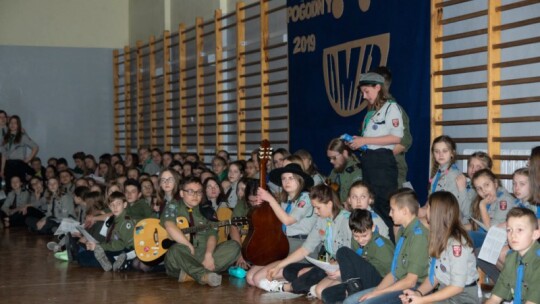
[(370, 79), (275, 175)]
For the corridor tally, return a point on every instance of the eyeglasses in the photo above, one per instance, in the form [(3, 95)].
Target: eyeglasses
[(191, 192), (169, 180)]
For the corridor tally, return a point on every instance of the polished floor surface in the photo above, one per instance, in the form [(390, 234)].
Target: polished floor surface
[(31, 274)]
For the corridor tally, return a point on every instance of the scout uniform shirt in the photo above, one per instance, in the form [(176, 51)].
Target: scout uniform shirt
[(378, 252), (498, 210), (174, 209), (465, 199), (351, 173), (456, 266), (386, 121), (139, 210), (412, 257), (334, 234), (61, 207), (16, 200), (13, 150), (445, 180), (150, 167), (406, 141), (534, 208), (506, 287), (302, 211), (120, 233)]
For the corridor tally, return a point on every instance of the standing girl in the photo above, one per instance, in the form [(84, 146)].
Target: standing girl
[(15, 158), (453, 263), (295, 211), (382, 129), (331, 230)]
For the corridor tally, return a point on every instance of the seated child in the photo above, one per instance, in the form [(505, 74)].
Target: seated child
[(453, 264), (410, 261), (199, 258), (16, 201), (119, 238), (362, 197), (360, 269), (138, 208), (521, 273)]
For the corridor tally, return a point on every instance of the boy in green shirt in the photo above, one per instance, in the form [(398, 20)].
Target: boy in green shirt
[(521, 273), (138, 208), (410, 259)]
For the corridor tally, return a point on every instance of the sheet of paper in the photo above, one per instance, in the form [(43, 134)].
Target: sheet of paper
[(323, 265), (87, 235), (104, 228), (67, 225), (493, 244)]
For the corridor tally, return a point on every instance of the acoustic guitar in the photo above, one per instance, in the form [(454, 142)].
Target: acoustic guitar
[(265, 242), (151, 240)]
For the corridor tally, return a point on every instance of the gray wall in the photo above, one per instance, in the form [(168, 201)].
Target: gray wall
[(63, 95)]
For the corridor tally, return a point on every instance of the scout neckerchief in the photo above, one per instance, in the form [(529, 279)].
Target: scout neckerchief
[(14, 203), (328, 239), (519, 281), (440, 173), (432, 271), (369, 116), (287, 210), (11, 140)]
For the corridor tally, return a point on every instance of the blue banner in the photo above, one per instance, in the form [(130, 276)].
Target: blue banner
[(331, 43)]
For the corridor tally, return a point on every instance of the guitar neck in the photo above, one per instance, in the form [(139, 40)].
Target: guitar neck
[(198, 228)]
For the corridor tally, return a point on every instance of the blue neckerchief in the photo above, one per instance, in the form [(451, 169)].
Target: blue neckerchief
[(360, 251), (519, 281), (432, 271), (328, 241), (435, 181), (287, 210)]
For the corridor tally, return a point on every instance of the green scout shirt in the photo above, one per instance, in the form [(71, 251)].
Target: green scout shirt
[(506, 283), (379, 252), (121, 234), (407, 139), (413, 256), (139, 210), (174, 209), (351, 173)]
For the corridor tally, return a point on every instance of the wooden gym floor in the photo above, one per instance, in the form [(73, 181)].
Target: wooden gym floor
[(31, 274)]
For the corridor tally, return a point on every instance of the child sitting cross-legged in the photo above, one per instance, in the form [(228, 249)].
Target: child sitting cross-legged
[(361, 268), (410, 260), (119, 238)]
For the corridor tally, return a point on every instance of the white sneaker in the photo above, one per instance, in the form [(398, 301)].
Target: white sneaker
[(53, 246), (311, 294), (271, 286)]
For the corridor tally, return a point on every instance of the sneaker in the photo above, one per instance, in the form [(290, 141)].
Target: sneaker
[(212, 279), (102, 258), (271, 286), (311, 294), (120, 260), (184, 277), (53, 246), (62, 255)]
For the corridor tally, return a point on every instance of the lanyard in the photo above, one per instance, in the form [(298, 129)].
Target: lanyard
[(519, 281), (287, 210)]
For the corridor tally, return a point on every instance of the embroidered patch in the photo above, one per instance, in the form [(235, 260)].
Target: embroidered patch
[(456, 249), (503, 205), (128, 225), (443, 268), (417, 231), (321, 232), (395, 123), (538, 252), (301, 204), (379, 242)]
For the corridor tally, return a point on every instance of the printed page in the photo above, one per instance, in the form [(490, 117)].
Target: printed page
[(323, 265), (493, 244)]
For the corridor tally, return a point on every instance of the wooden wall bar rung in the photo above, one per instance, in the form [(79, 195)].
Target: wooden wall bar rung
[(463, 87), (441, 55), (462, 105), (517, 139), (464, 122), (462, 35), (517, 100), (512, 25), (464, 17), (516, 81), (517, 62), (441, 4), (510, 157), (470, 69), (514, 5), (516, 43)]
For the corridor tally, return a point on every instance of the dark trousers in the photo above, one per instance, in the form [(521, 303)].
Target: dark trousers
[(48, 229), (16, 167), (379, 171), (352, 266), (87, 258), (18, 219), (302, 284)]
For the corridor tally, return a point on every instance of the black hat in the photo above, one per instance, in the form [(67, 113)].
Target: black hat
[(275, 175)]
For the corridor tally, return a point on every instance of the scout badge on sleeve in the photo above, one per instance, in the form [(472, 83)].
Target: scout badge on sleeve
[(456, 249), (503, 205), (395, 123)]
